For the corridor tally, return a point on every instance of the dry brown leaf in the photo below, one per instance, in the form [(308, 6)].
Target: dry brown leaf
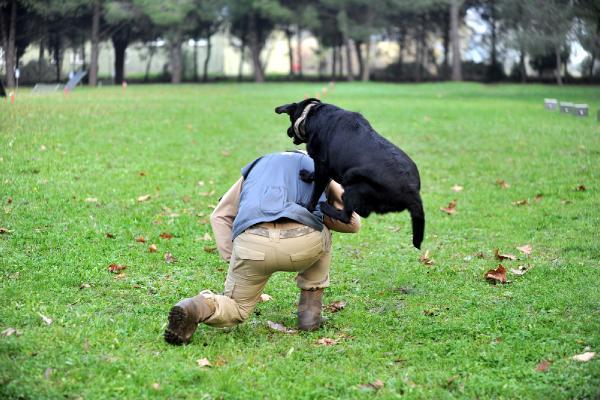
[(538, 197), (186, 199), (207, 237), (335, 306), (144, 197), (169, 258), (584, 357), (580, 188), (10, 331), (142, 173), (152, 248), (140, 239), (526, 249), (451, 209), (110, 235), (225, 153), (265, 297), (504, 256), (520, 271), (543, 366), (496, 275), (280, 327), (91, 200), (9, 200), (84, 286), (166, 235), (4, 231), (522, 202), (457, 188), (114, 268), (156, 386), (327, 342), (203, 362), (47, 320), (378, 384), (502, 183), (425, 258)]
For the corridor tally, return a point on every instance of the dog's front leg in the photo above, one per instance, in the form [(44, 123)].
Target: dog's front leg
[(321, 181)]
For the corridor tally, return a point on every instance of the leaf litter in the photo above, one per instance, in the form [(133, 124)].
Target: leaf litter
[(451, 208), (280, 327), (496, 275)]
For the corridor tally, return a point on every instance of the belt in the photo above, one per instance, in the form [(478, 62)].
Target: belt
[(283, 234)]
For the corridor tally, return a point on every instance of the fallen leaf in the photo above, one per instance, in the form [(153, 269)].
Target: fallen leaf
[(205, 194), (114, 268), (10, 331), (225, 153), (142, 173), (169, 258), (425, 258), (207, 237), (538, 197), (210, 249), (520, 271), (140, 239), (47, 320), (9, 200), (110, 235), (152, 248), (451, 209), (543, 366), (457, 188), (120, 275), (156, 386), (327, 342), (42, 148), (584, 357), (203, 362), (522, 202), (144, 197), (566, 202), (186, 199), (526, 249), (91, 200), (378, 384), (335, 306), (496, 275), (580, 188), (200, 183), (502, 183), (265, 297), (84, 286), (166, 235), (4, 231), (280, 327), (504, 256), (48, 373)]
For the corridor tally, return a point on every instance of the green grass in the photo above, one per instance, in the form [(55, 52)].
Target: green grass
[(437, 331)]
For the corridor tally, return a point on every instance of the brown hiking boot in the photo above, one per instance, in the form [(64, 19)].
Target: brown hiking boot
[(184, 318), (309, 309)]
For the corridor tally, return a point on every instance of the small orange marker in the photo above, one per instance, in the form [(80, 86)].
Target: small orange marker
[(124, 86)]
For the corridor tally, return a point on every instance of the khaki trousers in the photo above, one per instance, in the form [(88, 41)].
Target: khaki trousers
[(256, 257)]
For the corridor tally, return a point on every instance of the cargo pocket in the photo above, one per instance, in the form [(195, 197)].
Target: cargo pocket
[(248, 262)]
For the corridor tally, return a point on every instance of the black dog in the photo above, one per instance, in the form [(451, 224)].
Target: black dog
[(376, 175)]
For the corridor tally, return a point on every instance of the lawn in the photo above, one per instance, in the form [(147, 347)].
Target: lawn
[(72, 170)]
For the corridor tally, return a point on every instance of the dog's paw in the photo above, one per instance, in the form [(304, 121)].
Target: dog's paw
[(307, 176), (334, 213)]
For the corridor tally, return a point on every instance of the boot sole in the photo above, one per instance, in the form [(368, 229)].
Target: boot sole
[(177, 320)]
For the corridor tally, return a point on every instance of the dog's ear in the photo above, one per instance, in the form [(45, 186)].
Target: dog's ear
[(289, 109)]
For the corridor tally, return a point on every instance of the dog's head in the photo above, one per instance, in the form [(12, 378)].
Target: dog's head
[(295, 111)]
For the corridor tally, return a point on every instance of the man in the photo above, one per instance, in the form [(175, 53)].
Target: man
[(261, 226)]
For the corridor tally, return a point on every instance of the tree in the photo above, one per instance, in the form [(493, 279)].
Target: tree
[(513, 15), (588, 29), (8, 26), (95, 39), (455, 6), (206, 19)]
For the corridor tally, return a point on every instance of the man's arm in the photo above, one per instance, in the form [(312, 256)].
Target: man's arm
[(334, 197), (222, 218)]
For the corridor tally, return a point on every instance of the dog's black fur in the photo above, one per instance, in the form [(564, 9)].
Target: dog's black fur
[(376, 175)]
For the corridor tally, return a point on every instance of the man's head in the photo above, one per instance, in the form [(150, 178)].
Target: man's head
[(297, 114)]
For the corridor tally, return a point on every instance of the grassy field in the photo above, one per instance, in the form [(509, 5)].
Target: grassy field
[(71, 172)]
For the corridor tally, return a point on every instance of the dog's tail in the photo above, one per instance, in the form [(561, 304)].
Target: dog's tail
[(417, 215)]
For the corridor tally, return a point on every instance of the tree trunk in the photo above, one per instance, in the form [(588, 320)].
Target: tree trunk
[(40, 67), (11, 49), (455, 39), (446, 41), (591, 71), (93, 76), (349, 63), (366, 73), (175, 58), (299, 50), (333, 61), (419, 50), (558, 66), (255, 48), (340, 62), (58, 56), (401, 49), (195, 55), (493, 26), (522, 67), (151, 52), (241, 66), (288, 35), (120, 44), (359, 58), (207, 59)]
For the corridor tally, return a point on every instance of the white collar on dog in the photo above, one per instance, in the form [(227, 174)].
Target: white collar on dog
[(299, 130)]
